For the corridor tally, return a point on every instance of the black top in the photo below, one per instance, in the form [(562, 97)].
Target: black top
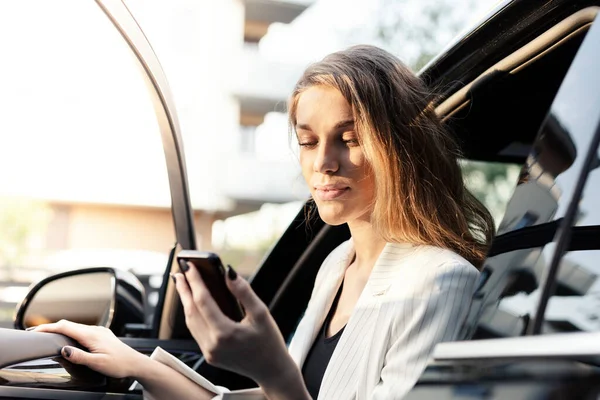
[(320, 353)]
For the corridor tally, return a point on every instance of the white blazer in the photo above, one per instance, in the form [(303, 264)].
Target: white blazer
[(415, 297)]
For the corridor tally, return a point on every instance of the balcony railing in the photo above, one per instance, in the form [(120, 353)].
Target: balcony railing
[(284, 11), (261, 85), (250, 180)]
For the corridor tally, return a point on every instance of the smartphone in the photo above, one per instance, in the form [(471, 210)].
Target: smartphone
[(211, 270)]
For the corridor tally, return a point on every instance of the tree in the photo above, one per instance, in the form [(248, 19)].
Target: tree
[(492, 184), (20, 221), (417, 30)]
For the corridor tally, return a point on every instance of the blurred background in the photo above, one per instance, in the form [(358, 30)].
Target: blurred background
[(84, 180)]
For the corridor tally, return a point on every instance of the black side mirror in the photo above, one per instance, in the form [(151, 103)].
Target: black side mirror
[(106, 297)]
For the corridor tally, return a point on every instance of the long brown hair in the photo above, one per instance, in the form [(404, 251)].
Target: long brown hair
[(420, 194)]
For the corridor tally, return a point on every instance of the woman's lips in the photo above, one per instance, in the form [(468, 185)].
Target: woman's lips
[(330, 193)]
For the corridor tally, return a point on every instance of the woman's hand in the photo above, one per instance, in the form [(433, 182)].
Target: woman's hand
[(252, 347), (106, 353)]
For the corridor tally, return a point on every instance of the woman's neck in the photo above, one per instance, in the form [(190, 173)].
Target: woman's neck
[(367, 243)]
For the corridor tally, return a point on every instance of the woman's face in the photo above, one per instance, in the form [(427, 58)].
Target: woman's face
[(332, 161)]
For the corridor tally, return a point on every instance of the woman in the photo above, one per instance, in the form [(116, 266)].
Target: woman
[(376, 157)]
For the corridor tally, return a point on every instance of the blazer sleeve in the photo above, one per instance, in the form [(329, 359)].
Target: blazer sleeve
[(435, 314)]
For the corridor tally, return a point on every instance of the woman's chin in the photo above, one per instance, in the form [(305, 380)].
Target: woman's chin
[(334, 222), (338, 214), (332, 217)]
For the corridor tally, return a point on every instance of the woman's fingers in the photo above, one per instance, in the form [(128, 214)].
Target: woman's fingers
[(242, 290), (105, 352), (192, 313), (204, 301), (75, 331), (185, 293), (78, 356), (68, 328)]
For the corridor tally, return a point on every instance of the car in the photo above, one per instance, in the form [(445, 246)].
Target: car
[(520, 88), (530, 94)]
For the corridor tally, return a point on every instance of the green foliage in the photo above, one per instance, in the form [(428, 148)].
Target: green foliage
[(435, 24), (245, 261), (20, 221), (491, 183)]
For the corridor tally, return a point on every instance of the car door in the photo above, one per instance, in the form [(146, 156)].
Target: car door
[(534, 319)]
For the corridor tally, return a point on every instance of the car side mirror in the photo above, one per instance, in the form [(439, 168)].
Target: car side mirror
[(105, 297)]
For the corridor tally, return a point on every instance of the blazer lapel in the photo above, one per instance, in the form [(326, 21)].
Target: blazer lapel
[(351, 356), (315, 314)]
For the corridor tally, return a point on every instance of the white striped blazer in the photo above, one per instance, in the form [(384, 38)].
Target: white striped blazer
[(415, 297)]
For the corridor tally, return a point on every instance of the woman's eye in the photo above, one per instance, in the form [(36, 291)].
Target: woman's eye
[(307, 144), (350, 142)]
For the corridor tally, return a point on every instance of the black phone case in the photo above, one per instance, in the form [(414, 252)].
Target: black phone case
[(211, 270)]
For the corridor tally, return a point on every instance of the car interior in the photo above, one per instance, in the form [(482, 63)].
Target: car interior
[(497, 116)]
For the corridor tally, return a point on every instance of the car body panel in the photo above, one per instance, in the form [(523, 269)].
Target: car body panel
[(509, 26), (509, 380)]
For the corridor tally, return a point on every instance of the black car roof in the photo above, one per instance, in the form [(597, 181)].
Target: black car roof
[(510, 25)]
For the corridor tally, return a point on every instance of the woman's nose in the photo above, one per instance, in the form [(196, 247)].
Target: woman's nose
[(327, 160)]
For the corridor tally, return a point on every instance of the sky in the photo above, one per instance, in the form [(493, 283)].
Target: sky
[(74, 106)]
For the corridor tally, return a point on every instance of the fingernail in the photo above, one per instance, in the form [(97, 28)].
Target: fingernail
[(30, 328), (66, 352), (231, 273), (183, 266), (174, 278)]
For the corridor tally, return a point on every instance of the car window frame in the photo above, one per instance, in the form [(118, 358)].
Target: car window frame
[(566, 225), (562, 230), (164, 108), (169, 318)]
